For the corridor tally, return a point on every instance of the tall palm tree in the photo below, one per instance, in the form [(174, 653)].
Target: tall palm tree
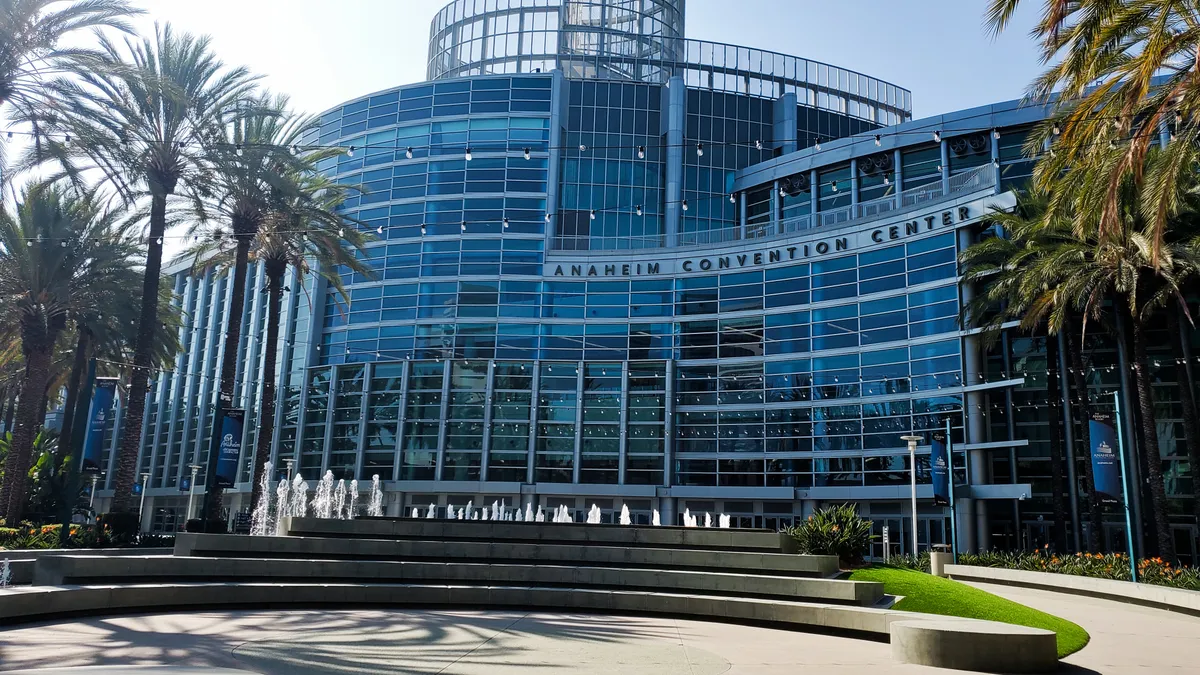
[(30, 31), (301, 228), (59, 252), (1015, 273), (256, 167), (149, 119)]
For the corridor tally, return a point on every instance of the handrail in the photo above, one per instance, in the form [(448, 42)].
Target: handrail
[(979, 178)]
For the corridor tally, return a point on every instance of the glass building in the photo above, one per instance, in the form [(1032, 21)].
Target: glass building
[(616, 266)]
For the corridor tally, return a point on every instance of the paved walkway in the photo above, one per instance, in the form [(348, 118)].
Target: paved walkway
[(1126, 639), (445, 642)]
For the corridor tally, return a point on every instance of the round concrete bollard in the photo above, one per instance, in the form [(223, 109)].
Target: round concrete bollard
[(986, 646), (938, 561)]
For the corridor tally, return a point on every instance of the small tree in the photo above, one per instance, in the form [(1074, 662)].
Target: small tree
[(834, 530)]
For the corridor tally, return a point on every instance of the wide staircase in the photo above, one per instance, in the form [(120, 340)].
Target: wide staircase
[(709, 574)]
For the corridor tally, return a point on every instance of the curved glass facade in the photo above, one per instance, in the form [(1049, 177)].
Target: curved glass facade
[(642, 41), (648, 284)]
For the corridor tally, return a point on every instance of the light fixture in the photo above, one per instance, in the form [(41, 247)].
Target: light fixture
[(378, 230), (408, 153), (878, 139), (582, 147), (641, 152), (547, 217), (732, 197), (463, 227), (685, 206), (996, 134), (638, 209), (422, 229), (937, 137), (887, 181), (758, 145), (939, 168), (350, 152), (782, 192), (468, 153), (506, 223), (834, 186), (527, 154), (592, 215), (699, 149), (996, 162), (1056, 130)]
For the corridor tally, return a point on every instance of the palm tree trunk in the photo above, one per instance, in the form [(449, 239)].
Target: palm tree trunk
[(1158, 493), (1084, 410), (139, 377), (82, 345), (28, 421), (1187, 399), (1057, 486), (11, 409), (274, 271), (233, 337)]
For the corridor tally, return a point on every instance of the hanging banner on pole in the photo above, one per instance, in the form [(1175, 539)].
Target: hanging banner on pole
[(939, 467), (1105, 462), (230, 447), (99, 414)]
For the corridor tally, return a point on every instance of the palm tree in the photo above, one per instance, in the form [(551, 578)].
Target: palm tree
[(149, 120), (299, 226), (1015, 273), (59, 252), (30, 31), (256, 164), (1121, 72)]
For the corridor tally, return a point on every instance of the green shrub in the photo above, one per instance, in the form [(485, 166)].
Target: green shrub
[(834, 530), (1096, 565)]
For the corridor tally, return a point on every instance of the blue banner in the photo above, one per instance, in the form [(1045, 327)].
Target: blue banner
[(185, 484), (1105, 461), (99, 414), (939, 466), (230, 448)]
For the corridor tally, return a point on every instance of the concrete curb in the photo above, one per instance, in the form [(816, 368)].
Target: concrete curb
[(1159, 597)]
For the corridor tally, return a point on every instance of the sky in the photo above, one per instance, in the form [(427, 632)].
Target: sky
[(323, 52)]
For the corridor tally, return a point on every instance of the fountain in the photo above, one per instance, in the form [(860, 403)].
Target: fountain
[(470, 509), (283, 500), (529, 512), (723, 522), (486, 514), (540, 517), (707, 519), (322, 503), (299, 494), (260, 516), (495, 510), (625, 519), (416, 513), (449, 511), (654, 519), (352, 505), (5, 573), (518, 516), (375, 506), (687, 518), (460, 514), (432, 512), (339, 500), (475, 514), (593, 516)]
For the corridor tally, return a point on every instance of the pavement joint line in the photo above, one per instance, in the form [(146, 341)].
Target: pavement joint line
[(481, 644), (682, 645)]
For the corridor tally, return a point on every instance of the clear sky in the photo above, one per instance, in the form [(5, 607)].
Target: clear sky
[(322, 52)]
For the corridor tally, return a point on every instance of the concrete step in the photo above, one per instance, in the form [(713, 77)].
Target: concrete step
[(85, 569), (636, 556), (763, 541)]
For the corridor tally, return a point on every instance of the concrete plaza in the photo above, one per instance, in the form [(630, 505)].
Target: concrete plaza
[(1125, 639)]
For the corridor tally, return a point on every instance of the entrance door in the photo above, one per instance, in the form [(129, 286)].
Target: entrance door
[(1185, 543)]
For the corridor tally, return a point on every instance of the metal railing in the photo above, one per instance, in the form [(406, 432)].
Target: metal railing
[(976, 179)]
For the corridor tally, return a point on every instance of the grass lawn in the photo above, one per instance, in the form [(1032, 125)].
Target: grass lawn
[(935, 595)]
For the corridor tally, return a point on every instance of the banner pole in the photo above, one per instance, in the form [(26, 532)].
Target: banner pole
[(953, 502), (1124, 487), (82, 413)]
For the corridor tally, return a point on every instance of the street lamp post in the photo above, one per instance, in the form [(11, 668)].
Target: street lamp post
[(92, 498), (142, 505), (192, 489), (289, 463), (912, 465)]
